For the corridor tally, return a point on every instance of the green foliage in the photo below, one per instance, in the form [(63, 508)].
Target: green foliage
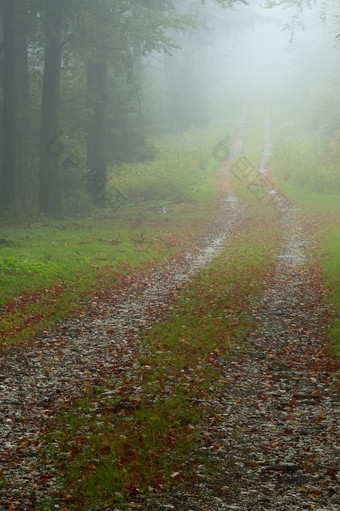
[(331, 266), (305, 161), (119, 32), (10, 266), (307, 150), (321, 110), (185, 166)]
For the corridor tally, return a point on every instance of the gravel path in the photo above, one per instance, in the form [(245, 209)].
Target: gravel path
[(37, 378), (275, 433), (277, 440)]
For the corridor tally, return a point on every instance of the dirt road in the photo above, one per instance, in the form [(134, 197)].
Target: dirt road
[(37, 378), (277, 445), (277, 442)]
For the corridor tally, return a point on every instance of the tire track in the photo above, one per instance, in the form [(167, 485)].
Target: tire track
[(277, 442), (37, 378)]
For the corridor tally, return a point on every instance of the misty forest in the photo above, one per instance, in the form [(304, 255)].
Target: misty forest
[(169, 255)]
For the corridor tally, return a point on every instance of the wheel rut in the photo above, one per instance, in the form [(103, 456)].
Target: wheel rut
[(37, 378), (276, 443), (276, 440)]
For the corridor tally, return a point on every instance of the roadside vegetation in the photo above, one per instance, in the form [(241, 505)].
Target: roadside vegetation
[(48, 267)]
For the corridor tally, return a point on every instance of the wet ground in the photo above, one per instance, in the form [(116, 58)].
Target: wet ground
[(277, 441), (38, 377), (279, 434)]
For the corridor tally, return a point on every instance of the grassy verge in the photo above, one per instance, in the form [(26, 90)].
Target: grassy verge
[(331, 267), (133, 439), (48, 268), (307, 155), (47, 271)]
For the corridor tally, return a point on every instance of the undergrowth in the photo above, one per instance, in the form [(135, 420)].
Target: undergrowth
[(185, 169), (47, 268)]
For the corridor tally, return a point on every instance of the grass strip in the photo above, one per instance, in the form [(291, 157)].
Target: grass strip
[(331, 267)]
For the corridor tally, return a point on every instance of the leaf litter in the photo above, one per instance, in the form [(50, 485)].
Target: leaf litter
[(38, 377), (272, 431), (278, 435), (273, 435)]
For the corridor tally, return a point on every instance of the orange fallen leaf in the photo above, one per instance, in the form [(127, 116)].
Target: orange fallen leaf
[(315, 495)]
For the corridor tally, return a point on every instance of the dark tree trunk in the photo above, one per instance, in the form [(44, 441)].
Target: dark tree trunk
[(23, 104), (97, 130), (50, 187), (91, 114), (138, 64), (10, 107), (1, 95)]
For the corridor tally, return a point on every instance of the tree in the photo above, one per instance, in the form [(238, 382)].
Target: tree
[(326, 10), (15, 101), (9, 9), (97, 128), (1, 102), (23, 100), (94, 53), (50, 188), (121, 33)]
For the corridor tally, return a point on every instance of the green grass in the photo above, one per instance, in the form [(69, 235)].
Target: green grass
[(48, 267), (46, 270), (185, 169), (312, 201), (306, 157), (331, 268)]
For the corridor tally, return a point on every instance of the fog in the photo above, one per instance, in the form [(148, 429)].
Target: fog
[(100, 80), (252, 51)]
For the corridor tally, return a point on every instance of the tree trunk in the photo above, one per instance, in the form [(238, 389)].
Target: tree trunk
[(1, 95), (138, 65), (50, 189), (23, 104), (97, 131), (10, 107)]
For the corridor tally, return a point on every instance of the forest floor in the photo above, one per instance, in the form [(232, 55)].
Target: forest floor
[(253, 421)]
